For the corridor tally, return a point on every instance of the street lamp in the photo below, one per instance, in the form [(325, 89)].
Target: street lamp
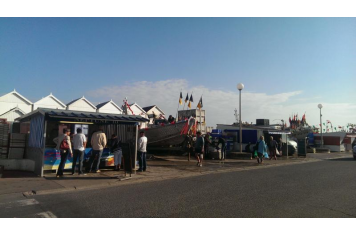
[(321, 124), (240, 87)]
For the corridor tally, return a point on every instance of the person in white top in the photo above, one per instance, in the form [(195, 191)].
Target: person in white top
[(65, 147), (142, 145), (79, 145)]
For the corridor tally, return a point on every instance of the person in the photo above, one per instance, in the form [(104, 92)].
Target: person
[(116, 150), (272, 148), (98, 143), (207, 143), (199, 149), (171, 119), (142, 151), (247, 147), (223, 147), (279, 146), (64, 146), (79, 145), (261, 149)]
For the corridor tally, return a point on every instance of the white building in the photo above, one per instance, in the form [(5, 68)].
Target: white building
[(109, 107), (137, 110), (49, 102), (154, 112), (81, 104), (13, 105)]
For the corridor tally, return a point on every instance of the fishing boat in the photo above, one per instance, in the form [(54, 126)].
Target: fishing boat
[(166, 134)]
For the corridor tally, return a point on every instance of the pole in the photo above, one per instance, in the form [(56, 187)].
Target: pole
[(240, 125), (200, 119), (287, 144), (134, 169), (44, 146), (321, 130), (177, 112)]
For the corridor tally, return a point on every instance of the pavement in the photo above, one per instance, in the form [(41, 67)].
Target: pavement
[(159, 168)]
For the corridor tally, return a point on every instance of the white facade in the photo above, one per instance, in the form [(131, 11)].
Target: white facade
[(49, 102), (159, 114), (12, 114), (81, 104), (138, 111), (14, 100), (109, 107)]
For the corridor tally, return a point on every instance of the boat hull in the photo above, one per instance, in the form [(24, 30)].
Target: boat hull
[(168, 135)]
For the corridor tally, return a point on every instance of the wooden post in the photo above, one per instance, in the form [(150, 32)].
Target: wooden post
[(134, 168)]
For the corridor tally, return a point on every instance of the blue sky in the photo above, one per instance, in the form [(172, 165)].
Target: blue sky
[(71, 57)]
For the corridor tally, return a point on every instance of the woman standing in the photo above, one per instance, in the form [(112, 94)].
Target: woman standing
[(65, 147)]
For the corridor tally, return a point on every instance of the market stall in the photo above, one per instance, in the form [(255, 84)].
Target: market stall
[(47, 124)]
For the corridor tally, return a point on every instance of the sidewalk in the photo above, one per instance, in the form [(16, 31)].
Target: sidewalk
[(161, 168)]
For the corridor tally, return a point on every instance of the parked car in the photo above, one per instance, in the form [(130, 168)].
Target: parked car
[(354, 152)]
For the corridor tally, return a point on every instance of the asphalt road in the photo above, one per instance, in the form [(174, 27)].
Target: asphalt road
[(326, 188)]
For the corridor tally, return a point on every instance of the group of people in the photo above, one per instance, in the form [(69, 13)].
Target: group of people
[(76, 148), (260, 149), (202, 146)]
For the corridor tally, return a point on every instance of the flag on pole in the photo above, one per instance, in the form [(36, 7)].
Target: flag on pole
[(200, 104), (186, 98), (180, 99), (190, 101)]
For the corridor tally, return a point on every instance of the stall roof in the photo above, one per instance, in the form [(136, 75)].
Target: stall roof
[(69, 115)]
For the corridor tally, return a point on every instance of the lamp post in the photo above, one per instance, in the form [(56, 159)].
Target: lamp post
[(321, 125), (240, 87)]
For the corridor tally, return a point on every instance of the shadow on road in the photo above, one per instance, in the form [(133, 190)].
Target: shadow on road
[(342, 159), (81, 178)]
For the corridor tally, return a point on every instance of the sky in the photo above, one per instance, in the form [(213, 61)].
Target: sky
[(288, 65)]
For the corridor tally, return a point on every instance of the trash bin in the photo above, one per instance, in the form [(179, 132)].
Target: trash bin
[(1, 170)]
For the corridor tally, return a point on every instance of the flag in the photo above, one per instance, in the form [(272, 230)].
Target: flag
[(191, 98), (303, 118), (189, 105), (180, 98), (186, 98), (200, 104)]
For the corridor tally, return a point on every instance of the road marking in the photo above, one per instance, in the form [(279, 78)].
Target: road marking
[(21, 203), (46, 214), (27, 202)]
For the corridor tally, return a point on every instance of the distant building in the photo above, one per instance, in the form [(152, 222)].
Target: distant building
[(13, 105), (154, 112), (49, 102), (108, 107), (81, 104), (137, 110), (12, 114)]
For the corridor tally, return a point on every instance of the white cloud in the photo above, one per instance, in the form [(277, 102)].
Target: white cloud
[(220, 105)]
